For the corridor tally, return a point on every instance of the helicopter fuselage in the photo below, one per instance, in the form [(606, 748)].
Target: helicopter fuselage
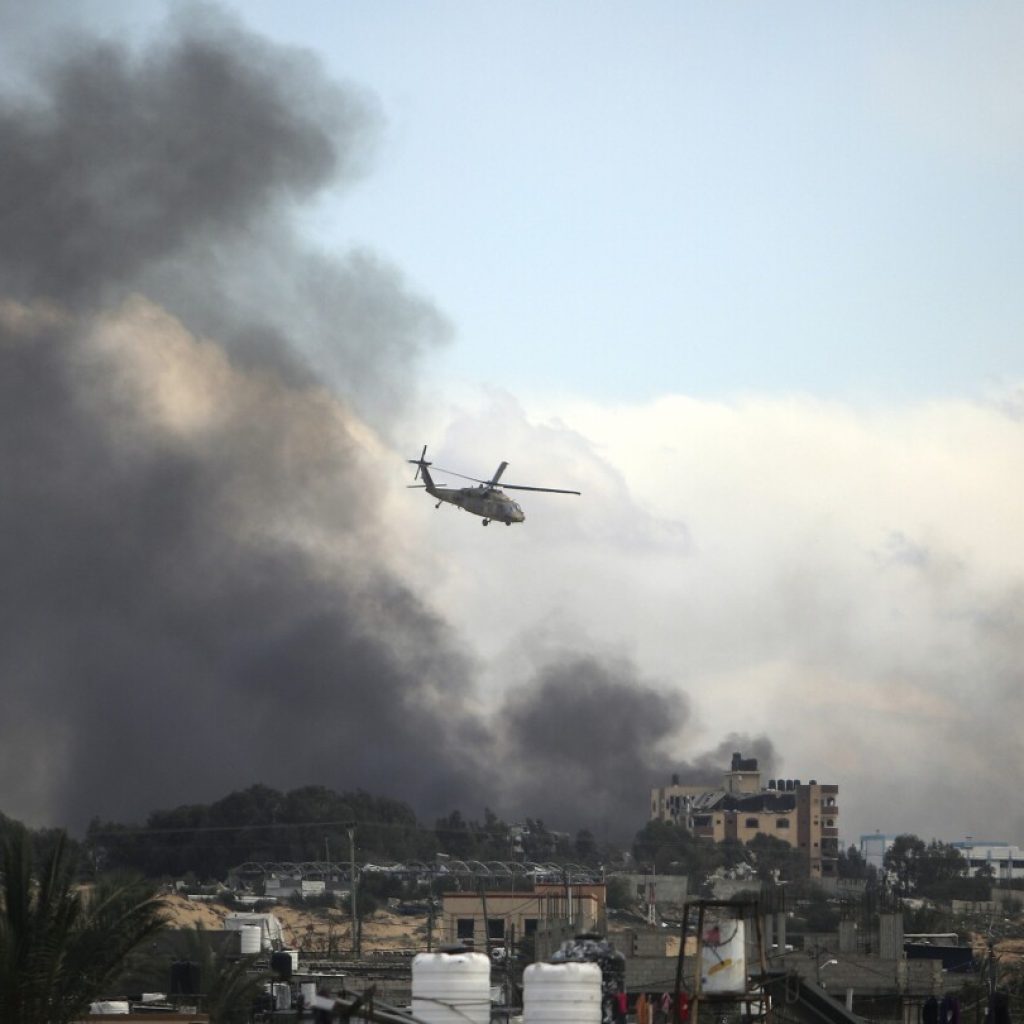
[(487, 502)]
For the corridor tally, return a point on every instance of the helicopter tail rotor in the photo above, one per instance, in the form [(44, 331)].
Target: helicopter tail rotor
[(420, 463), (423, 470)]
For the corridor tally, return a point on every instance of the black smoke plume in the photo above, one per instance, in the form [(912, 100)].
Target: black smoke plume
[(589, 739), (198, 593), (195, 595)]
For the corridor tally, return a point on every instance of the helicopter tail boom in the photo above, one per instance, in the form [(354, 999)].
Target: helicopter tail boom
[(422, 469)]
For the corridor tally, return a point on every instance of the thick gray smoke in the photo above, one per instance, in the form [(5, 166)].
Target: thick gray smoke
[(590, 738), (194, 597), (197, 585)]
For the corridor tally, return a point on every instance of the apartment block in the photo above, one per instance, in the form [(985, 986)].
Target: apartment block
[(804, 815)]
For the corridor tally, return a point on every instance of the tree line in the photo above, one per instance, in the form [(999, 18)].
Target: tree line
[(311, 823)]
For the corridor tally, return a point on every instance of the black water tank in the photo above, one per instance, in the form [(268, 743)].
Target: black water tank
[(281, 965), (184, 978)]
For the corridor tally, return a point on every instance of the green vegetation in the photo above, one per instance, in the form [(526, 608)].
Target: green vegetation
[(934, 870), (61, 946), (670, 849), (262, 824)]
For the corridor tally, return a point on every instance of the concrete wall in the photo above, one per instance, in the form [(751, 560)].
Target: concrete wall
[(656, 974), (669, 890), (870, 975), (890, 936)]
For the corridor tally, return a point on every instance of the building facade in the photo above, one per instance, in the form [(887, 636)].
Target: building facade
[(806, 816), (1005, 860), (512, 916)]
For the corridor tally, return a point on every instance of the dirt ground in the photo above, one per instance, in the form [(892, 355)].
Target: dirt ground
[(329, 932), (313, 931)]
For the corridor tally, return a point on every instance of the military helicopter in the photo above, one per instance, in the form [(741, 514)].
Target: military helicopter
[(486, 500)]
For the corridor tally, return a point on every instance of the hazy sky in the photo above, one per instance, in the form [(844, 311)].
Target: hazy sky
[(749, 276), (624, 201)]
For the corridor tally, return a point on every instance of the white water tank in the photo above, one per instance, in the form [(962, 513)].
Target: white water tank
[(566, 993), (723, 956), (252, 937), (451, 988)]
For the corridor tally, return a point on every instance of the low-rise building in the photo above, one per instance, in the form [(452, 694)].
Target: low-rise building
[(512, 916), (1005, 861)]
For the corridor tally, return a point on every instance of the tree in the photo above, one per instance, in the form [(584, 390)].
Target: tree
[(775, 858), (671, 850), (586, 847), (937, 870), (60, 946), (620, 893), (229, 986), (455, 837), (819, 914), (902, 859), (852, 864), (941, 871)]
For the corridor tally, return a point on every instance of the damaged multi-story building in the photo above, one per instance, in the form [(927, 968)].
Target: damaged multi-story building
[(805, 815)]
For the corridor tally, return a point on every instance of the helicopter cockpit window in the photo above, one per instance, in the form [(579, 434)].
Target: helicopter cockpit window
[(517, 506)]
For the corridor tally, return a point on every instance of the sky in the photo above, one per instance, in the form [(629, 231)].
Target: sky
[(745, 276)]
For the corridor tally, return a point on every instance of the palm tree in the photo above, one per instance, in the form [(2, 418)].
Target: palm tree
[(230, 986), (60, 945)]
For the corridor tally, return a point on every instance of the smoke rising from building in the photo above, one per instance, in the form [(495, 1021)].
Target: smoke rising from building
[(199, 592), (591, 738)]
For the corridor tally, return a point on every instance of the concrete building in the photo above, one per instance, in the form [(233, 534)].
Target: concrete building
[(512, 916), (1006, 861), (874, 847), (804, 815)]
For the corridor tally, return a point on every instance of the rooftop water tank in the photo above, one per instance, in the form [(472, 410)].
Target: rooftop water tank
[(451, 988), (281, 964), (723, 956), (185, 978), (252, 939), (566, 993)]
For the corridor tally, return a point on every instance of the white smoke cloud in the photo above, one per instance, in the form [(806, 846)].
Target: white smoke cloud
[(846, 580)]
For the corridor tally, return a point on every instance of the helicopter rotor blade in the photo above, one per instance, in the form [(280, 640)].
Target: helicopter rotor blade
[(548, 490), (494, 485), (497, 474), (461, 476)]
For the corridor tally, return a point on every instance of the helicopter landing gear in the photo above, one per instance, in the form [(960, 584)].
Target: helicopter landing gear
[(486, 522), (439, 504)]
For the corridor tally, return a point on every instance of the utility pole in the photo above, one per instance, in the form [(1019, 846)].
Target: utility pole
[(487, 930), (354, 892), (430, 911)]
